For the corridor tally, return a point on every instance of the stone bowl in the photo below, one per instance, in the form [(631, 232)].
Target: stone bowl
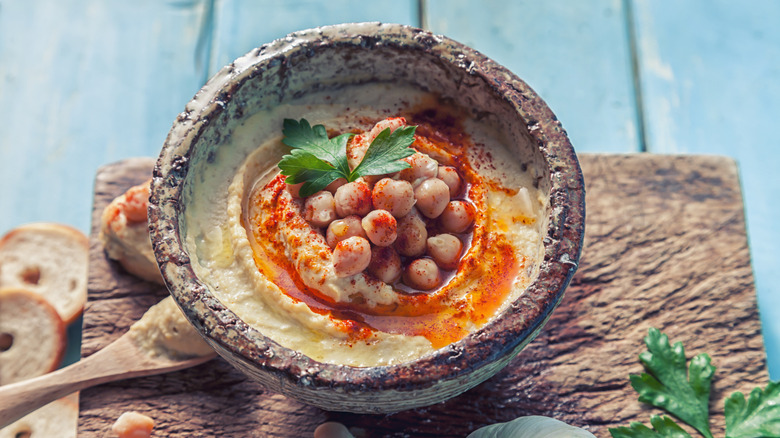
[(363, 52)]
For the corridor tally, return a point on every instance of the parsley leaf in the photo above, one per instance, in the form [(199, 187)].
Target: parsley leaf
[(304, 167), (300, 135), (386, 152), (666, 387), (669, 387), (759, 417), (316, 161), (663, 427)]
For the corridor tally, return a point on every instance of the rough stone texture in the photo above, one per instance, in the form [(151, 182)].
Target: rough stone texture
[(665, 247)]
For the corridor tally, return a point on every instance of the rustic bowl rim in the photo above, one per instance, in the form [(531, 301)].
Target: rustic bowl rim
[(506, 334)]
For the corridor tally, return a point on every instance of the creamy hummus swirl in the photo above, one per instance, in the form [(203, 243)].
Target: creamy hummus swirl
[(164, 331), (261, 258)]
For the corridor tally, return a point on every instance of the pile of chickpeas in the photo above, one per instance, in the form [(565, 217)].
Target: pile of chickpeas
[(382, 227)]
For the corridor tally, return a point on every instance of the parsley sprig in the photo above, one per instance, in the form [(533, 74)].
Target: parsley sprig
[(685, 394), (316, 160)]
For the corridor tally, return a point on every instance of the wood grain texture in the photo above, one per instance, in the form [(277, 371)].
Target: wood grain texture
[(665, 247), (575, 54), (709, 76)]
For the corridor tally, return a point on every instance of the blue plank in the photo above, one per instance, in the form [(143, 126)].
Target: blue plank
[(83, 83), (575, 54), (710, 77), (242, 25)]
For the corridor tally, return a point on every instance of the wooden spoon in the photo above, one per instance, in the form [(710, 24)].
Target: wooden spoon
[(122, 359)]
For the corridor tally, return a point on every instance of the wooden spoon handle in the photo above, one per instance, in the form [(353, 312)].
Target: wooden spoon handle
[(119, 360), (18, 399)]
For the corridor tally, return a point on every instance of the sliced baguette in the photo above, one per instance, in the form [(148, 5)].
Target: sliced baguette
[(57, 419), (125, 235), (50, 259), (32, 335)]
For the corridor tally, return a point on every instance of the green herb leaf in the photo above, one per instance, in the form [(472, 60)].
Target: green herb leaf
[(663, 427), (688, 399), (669, 387), (300, 135), (758, 417), (316, 160), (303, 167), (385, 153)]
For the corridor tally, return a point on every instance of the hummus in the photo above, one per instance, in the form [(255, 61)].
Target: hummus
[(165, 331), (250, 244)]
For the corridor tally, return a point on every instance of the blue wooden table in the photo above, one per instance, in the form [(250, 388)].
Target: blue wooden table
[(88, 82)]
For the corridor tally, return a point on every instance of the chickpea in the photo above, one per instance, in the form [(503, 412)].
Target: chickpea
[(457, 217), (381, 227), (395, 196), (341, 229), (356, 149), (371, 180), (338, 182), (412, 235), (450, 176), (294, 189), (445, 249), (432, 196), (423, 167), (358, 145), (353, 198), (351, 256), (319, 209), (391, 123), (422, 274), (385, 264)]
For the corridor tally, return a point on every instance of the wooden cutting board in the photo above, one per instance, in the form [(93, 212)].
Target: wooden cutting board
[(665, 247)]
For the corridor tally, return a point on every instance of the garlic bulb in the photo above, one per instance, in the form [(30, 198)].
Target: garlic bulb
[(531, 427)]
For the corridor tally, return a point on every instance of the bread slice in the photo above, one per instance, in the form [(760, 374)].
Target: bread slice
[(125, 234), (32, 335), (50, 259), (57, 419)]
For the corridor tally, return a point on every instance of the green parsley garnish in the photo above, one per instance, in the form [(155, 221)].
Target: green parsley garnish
[(316, 161), (685, 394)]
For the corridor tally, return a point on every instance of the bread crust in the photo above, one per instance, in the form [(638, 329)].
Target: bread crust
[(33, 334), (50, 259), (57, 419)]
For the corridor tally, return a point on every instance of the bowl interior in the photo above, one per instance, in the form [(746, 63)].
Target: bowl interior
[(335, 58)]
